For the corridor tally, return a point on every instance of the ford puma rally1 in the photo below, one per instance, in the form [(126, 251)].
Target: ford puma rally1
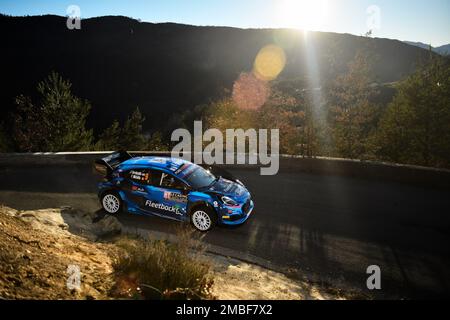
[(173, 189)]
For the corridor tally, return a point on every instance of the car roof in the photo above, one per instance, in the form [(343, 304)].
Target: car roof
[(171, 164)]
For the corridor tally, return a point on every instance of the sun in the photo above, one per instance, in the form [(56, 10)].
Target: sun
[(303, 14)]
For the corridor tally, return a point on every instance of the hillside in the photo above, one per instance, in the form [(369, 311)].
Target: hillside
[(118, 63), (443, 50)]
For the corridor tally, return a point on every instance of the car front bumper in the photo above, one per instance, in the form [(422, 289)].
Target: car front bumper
[(233, 216)]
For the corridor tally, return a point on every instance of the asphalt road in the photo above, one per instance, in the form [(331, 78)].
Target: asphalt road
[(331, 227)]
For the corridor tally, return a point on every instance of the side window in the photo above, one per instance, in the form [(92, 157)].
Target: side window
[(141, 176), (155, 178), (170, 182)]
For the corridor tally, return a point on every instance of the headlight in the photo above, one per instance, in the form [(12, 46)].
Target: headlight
[(228, 201)]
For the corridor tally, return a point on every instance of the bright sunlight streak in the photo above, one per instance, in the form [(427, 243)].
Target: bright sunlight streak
[(303, 14)]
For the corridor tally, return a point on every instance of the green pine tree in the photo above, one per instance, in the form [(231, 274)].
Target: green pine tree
[(156, 142), (56, 123), (109, 140), (129, 137), (415, 128), (4, 141), (132, 137)]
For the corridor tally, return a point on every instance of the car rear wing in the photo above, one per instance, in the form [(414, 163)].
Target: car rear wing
[(107, 165)]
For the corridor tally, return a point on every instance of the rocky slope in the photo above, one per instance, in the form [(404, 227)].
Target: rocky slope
[(38, 249), (42, 250)]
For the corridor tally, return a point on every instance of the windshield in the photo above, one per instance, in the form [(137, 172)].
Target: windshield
[(197, 177)]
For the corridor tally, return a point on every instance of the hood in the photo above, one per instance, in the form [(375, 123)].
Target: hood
[(230, 189)]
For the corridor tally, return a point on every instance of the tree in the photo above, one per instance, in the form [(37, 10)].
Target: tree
[(4, 141), (130, 137), (225, 114), (283, 112), (156, 142), (353, 115), (415, 127), (311, 127), (109, 140), (280, 111), (56, 123)]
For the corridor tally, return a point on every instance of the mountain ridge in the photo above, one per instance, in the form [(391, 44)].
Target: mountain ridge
[(443, 50), (118, 63)]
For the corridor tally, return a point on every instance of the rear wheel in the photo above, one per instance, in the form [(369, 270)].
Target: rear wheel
[(111, 203), (203, 219)]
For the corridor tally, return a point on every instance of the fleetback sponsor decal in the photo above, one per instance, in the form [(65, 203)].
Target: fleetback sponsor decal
[(176, 197), (163, 207)]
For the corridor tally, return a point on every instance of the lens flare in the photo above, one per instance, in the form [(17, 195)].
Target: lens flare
[(249, 92), (269, 63)]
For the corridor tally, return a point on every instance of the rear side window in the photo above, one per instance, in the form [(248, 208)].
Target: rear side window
[(155, 178)]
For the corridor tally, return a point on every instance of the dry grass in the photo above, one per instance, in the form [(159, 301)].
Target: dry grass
[(161, 270)]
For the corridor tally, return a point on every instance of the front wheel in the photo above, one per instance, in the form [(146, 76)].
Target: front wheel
[(203, 219), (111, 203)]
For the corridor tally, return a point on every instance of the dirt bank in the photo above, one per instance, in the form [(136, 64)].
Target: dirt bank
[(42, 252)]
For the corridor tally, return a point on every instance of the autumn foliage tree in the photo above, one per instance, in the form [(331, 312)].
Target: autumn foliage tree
[(352, 115), (279, 111), (283, 112)]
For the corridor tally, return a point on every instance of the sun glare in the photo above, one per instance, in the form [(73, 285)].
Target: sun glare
[(303, 14)]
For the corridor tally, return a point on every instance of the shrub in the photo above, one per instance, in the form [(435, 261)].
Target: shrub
[(161, 270)]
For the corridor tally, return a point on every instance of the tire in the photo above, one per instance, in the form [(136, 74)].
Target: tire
[(111, 203), (203, 219)]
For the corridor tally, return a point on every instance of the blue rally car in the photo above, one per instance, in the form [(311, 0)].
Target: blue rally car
[(173, 189)]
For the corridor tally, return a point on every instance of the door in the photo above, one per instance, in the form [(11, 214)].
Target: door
[(137, 187), (169, 196)]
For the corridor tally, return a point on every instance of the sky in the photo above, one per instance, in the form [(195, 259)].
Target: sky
[(427, 21)]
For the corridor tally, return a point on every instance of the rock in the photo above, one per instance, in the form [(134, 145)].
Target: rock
[(108, 226), (64, 226), (11, 213)]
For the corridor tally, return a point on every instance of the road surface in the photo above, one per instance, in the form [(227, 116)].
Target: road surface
[(329, 226)]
